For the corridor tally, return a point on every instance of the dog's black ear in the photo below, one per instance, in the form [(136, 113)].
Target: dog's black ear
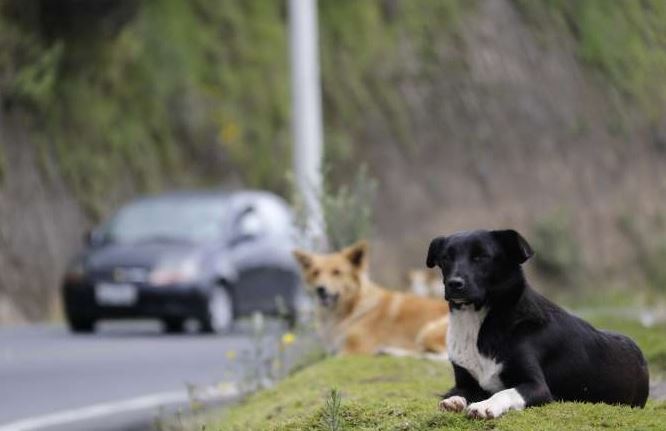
[(435, 250), (514, 245)]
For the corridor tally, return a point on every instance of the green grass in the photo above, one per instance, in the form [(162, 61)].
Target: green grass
[(384, 393)]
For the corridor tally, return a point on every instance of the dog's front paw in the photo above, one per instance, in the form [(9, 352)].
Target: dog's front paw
[(485, 410), (453, 404)]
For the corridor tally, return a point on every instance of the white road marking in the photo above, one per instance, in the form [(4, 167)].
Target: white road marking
[(116, 407)]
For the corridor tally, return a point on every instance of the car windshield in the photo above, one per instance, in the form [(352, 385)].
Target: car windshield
[(189, 219)]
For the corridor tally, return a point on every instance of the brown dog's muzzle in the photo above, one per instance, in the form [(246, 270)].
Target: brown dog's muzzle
[(325, 298)]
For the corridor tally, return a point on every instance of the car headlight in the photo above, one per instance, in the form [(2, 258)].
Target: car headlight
[(175, 272)]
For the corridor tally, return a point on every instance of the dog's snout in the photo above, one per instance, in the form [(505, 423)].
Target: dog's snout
[(320, 291), (455, 284)]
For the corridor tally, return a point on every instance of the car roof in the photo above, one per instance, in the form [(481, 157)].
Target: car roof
[(181, 195), (236, 199)]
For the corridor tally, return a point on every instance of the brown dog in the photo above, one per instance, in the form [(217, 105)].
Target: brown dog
[(358, 317)]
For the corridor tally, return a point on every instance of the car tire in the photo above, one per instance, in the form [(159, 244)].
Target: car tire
[(220, 315), (80, 325), (174, 326), (292, 320)]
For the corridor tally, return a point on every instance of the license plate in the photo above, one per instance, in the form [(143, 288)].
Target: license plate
[(115, 294)]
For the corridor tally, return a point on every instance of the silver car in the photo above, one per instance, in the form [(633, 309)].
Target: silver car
[(211, 256)]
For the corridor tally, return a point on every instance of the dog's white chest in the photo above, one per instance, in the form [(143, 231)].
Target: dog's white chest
[(461, 340)]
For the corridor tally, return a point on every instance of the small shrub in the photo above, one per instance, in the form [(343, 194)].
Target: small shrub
[(331, 418), (557, 252), (347, 210)]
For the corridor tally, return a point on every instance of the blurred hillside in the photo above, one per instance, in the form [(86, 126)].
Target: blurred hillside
[(549, 116)]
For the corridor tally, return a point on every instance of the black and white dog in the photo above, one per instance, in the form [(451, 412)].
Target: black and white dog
[(512, 348)]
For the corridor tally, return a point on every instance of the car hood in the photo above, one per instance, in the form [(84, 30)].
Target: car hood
[(142, 255)]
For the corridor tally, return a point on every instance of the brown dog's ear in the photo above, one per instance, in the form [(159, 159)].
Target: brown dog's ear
[(303, 258), (357, 254), (435, 251), (514, 245)]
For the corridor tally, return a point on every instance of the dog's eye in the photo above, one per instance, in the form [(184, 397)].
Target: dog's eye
[(481, 257), (336, 273), (315, 273)]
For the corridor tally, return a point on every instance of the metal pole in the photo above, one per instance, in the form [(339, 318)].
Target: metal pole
[(307, 117)]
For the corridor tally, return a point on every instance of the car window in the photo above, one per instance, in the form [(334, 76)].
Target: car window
[(169, 219)]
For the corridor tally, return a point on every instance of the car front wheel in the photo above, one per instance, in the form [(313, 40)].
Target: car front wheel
[(80, 325), (220, 315), (174, 326)]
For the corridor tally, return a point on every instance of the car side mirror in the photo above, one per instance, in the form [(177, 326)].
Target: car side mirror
[(246, 227)]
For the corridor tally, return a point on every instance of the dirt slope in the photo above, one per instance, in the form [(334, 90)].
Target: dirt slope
[(513, 130)]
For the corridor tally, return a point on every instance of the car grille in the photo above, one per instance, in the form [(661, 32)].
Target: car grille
[(126, 274)]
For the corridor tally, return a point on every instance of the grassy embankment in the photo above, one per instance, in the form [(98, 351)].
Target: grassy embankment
[(400, 394), (170, 93)]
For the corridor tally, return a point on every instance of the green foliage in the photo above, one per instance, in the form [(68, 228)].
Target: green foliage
[(364, 48), (179, 90), (202, 83), (348, 210), (331, 417), (35, 82), (29, 68), (625, 40), (179, 83), (557, 252)]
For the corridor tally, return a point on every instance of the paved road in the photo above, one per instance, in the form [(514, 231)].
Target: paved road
[(49, 379)]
